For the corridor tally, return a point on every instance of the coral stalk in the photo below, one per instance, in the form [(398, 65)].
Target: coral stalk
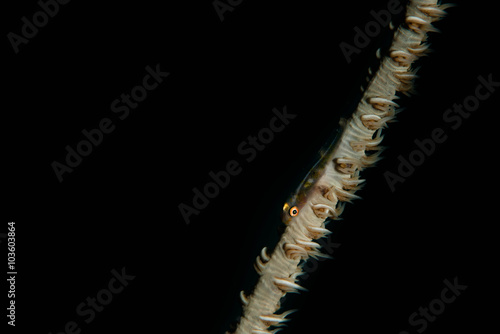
[(336, 179)]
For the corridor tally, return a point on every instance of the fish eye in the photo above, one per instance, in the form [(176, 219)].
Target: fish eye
[(294, 211)]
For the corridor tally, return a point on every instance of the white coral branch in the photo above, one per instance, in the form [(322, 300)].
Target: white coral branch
[(362, 133)]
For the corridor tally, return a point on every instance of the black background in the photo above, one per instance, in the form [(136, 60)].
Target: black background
[(119, 207)]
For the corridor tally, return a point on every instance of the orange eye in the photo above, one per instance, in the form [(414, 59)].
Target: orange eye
[(294, 211)]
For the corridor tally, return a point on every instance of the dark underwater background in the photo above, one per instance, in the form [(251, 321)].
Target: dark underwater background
[(119, 207)]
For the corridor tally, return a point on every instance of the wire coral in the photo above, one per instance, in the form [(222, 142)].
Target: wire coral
[(336, 177)]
